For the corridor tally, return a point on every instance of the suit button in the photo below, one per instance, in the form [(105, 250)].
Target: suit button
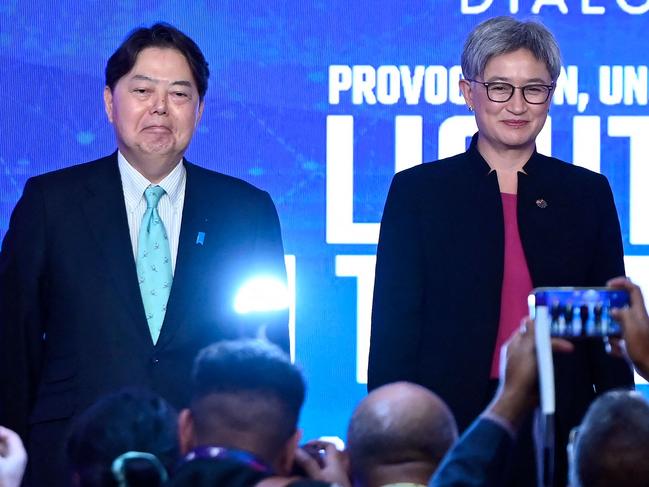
[(155, 360)]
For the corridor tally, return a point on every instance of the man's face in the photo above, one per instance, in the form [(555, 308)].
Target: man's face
[(155, 107)]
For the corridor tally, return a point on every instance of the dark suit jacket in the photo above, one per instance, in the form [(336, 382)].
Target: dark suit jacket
[(477, 459), (72, 321), (439, 275)]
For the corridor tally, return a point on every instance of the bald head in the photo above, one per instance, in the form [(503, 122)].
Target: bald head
[(399, 428)]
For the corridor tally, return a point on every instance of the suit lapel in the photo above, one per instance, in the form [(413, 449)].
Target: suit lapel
[(105, 212), (537, 224), (190, 258)]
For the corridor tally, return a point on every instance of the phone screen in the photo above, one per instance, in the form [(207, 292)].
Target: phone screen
[(578, 312)]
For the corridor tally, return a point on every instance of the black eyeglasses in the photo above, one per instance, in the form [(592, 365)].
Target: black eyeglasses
[(501, 92)]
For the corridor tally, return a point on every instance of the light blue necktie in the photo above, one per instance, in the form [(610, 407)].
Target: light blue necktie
[(154, 263)]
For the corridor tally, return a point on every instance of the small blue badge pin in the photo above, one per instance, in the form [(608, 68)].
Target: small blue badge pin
[(200, 238)]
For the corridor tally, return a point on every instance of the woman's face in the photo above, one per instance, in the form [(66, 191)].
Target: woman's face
[(513, 124)]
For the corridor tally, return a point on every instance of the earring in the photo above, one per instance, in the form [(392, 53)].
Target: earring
[(470, 108)]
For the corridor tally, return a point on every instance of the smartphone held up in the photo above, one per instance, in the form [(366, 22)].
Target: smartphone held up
[(575, 313)]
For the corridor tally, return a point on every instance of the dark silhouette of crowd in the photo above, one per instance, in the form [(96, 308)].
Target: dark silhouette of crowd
[(241, 428)]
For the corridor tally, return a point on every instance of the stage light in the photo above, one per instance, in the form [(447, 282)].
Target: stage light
[(261, 294)]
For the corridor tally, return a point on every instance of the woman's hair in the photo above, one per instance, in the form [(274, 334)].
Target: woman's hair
[(125, 439), (502, 35)]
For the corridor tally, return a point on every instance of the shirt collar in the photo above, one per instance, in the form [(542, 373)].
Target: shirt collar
[(484, 166), (135, 183)]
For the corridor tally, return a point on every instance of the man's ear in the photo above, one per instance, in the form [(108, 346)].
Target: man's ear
[(201, 105), (108, 103), (186, 432), (285, 461)]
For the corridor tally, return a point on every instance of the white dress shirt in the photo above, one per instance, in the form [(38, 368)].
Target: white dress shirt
[(170, 206)]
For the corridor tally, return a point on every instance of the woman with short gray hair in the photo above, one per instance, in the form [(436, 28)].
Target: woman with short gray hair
[(502, 35), (464, 240)]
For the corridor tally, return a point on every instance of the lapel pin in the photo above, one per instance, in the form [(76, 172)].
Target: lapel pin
[(200, 238), (541, 203)]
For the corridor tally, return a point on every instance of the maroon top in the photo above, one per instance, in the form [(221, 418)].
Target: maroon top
[(517, 282)]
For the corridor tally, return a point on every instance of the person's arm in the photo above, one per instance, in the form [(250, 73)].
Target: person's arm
[(608, 372), (609, 251), (268, 258), (22, 261), (480, 456), (635, 325), (398, 290), (13, 458)]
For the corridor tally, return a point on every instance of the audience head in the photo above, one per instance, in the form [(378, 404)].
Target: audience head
[(163, 36), (246, 395), (502, 35), (612, 444), (128, 438), (399, 433)]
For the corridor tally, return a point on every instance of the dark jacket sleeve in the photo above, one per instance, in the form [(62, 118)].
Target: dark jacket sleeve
[(397, 309), (269, 258), (477, 459), (609, 372), (22, 262)]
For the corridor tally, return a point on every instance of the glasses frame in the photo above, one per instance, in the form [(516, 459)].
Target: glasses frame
[(486, 84)]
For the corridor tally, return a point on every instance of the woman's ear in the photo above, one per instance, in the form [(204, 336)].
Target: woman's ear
[(467, 92)]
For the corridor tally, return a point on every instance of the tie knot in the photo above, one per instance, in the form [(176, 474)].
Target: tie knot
[(153, 195)]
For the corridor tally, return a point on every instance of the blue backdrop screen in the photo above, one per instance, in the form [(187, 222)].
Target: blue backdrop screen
[(319, 103)]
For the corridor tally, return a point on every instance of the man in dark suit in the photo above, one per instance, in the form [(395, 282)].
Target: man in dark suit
[(116, 272)]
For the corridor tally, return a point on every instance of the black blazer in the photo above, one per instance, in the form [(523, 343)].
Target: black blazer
[(440, 266), (72, 321)]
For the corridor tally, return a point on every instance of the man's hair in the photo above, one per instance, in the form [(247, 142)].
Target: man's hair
[(131, 420), (159, 35), (612, 446), (502, 35), (397, 424), (246, 394)]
